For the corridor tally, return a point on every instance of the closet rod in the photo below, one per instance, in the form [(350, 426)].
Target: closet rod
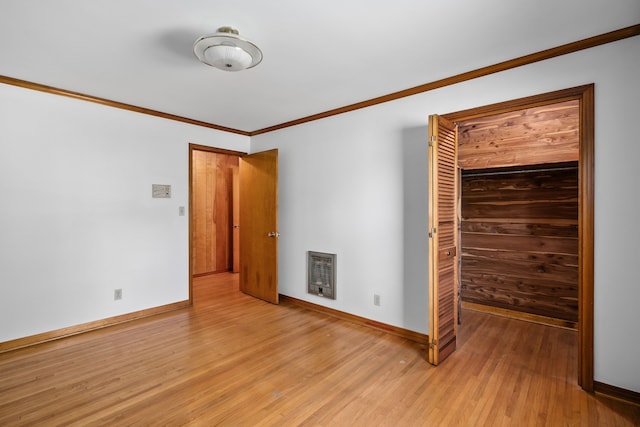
[(472, 174)]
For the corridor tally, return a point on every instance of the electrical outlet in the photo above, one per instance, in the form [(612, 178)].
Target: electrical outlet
[(117, 294), (376, 299)]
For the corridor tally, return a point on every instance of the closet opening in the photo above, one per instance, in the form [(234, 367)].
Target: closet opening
[(512, 154)]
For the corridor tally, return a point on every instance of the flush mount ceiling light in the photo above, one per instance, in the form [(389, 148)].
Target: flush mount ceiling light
[(227, 51)]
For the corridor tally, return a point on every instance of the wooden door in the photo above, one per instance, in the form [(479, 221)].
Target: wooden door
[(259, 225), (443, 238)]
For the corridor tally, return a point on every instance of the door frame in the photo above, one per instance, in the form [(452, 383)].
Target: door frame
[(585, 95), (192, 148)]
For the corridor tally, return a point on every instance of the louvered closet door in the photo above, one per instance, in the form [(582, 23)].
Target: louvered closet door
[(443, 175)]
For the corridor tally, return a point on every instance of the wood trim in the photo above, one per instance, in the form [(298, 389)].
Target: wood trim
[(565, 49), (617, 392), (216, 150), (555, 97), (210, 273), (115, 104), (404, 333), (469, 75), (586, 190), (90, 326), (190, 221), (512, 314)]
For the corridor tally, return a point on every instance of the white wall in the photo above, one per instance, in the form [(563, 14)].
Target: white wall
[(76, 215), (355, 185)]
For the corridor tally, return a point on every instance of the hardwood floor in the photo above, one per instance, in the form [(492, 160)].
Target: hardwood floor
[(237, 361)]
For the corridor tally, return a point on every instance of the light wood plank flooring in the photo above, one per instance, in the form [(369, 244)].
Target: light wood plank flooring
[(232, 360)]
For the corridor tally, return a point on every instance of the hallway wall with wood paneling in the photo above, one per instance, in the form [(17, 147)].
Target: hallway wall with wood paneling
[(212, 211)]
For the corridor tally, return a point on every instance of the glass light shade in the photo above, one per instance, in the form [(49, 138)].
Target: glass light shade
[(226, 50), (229, 58)]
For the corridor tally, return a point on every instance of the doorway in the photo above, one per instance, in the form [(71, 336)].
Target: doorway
[(228, 189), (583, 95), (213, 185), (519, 213)]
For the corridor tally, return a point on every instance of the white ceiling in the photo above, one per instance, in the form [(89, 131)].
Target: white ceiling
[(318, 55)]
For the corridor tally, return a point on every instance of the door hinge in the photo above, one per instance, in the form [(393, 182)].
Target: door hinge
[(432, 232), (433, 140), (433, 344)]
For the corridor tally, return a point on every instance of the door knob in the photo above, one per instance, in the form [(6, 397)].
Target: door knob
[(273, 234)]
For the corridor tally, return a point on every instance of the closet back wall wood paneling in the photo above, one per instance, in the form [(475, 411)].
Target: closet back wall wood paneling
[(519, 239)]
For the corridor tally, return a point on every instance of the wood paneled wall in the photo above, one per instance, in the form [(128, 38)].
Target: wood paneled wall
[(212, 211), (519, 239), (544, 134), (519, 210)]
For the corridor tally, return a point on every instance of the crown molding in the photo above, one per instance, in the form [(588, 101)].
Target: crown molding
[(565, 49), (115, 104), (469, 75)]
